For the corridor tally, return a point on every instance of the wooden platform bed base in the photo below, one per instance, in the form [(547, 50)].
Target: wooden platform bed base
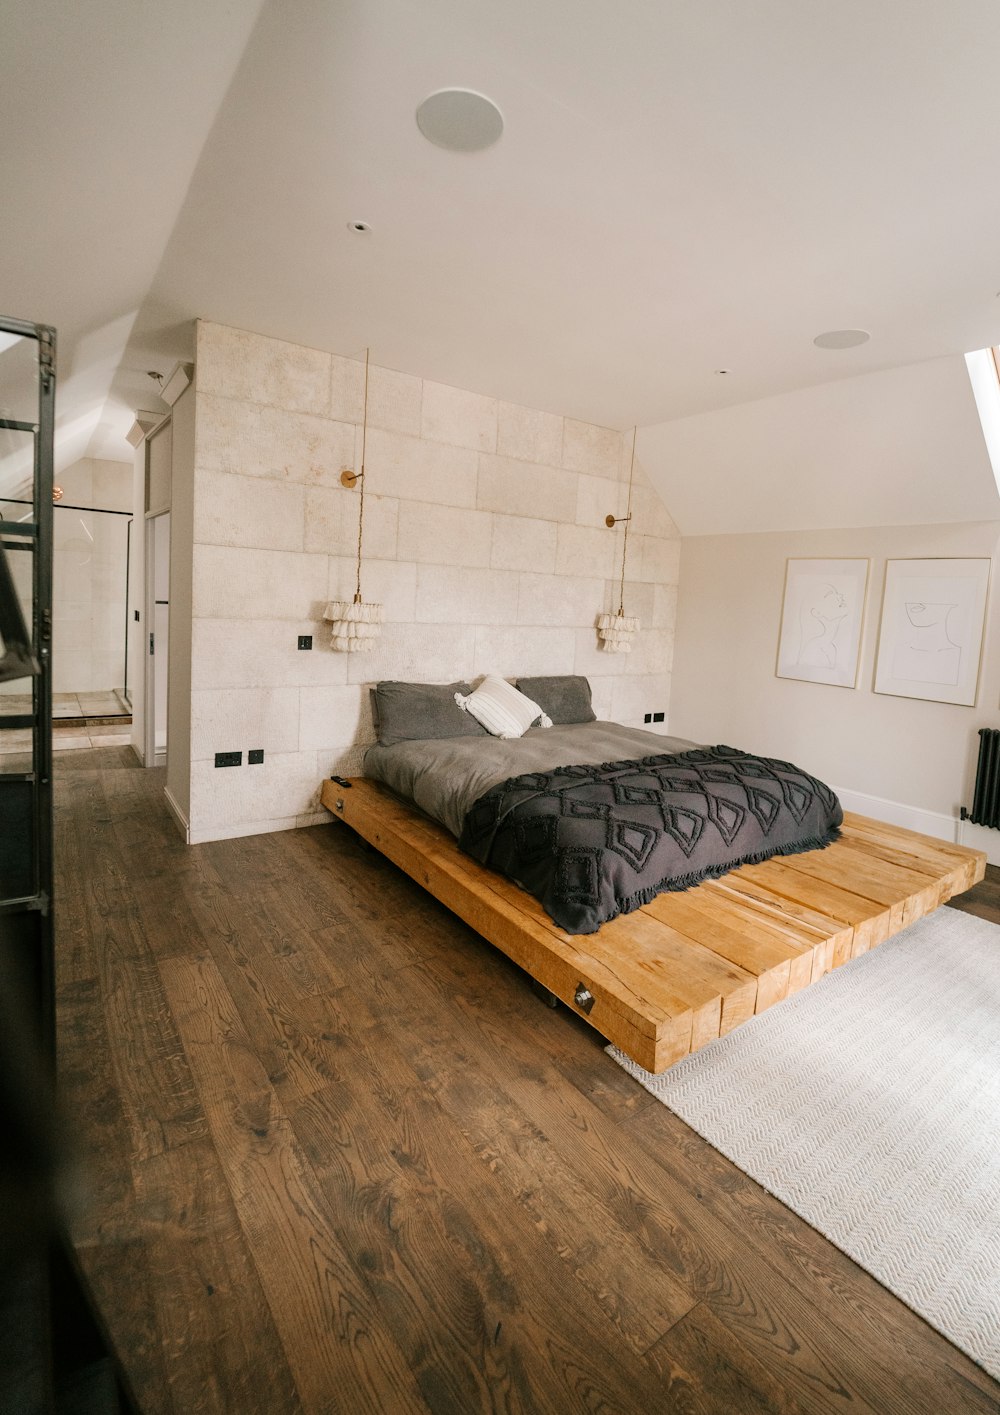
[(688, 967)]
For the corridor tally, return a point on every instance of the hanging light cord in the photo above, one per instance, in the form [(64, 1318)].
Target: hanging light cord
[(628, 522), (361, 507)]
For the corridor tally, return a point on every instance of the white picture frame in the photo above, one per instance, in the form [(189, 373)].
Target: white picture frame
[(822, 613), (930, 642)]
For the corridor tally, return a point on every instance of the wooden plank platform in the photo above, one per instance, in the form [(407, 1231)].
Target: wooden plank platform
[(688, 967)]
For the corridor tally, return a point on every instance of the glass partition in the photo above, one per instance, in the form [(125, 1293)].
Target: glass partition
[(27, 389), (89, 609)]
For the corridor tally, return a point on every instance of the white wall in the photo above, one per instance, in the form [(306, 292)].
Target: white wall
[(916, 758), (484, 539)]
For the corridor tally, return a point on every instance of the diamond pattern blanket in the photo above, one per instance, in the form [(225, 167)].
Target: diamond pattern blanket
[(593, 842)]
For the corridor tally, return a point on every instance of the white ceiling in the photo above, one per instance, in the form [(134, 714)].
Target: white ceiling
[(681, 187)]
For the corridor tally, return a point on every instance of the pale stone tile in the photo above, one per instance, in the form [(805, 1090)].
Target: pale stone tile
[(238, 364), (347, 388), (207, 833), (664, 615), (529, 435), (601, 696), (249, 653), (639, 600), (233, 436), (236, 583), (652, 652), (526, 489), (458, 417), (411, 469), (634, 695), (650, 516), (656, 561), (254, 798), (592, 449), (591, 660), (341, 761), (236, 510), (597, 498), (332, 718), (391, 583), (241, 719), (513, 653), (519, 543), (444, 535), (585, 550), (416, 653), (331, 522), (449, 594), (559, 599), (70, 741), (395, 401)]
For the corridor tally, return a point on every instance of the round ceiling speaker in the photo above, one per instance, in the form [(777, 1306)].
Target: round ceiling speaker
[(460, 120), (842, 338)]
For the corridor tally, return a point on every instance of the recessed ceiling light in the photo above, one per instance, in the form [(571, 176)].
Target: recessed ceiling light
[(841, 338), (359, 227), (460, 120)]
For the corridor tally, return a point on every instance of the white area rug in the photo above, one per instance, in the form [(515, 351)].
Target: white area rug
[(870, 1105)]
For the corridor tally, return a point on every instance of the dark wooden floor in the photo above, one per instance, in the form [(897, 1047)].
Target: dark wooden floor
[(335, 1156)]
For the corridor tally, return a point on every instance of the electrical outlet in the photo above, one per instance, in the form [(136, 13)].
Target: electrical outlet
[(255, 756), (229, 759), (305, 641), (648, 717), (657, 716)]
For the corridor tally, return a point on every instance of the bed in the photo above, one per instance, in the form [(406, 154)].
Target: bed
[(675, 967)]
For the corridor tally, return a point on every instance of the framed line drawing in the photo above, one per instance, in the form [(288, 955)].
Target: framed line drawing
[(931, 637), (821, 616)]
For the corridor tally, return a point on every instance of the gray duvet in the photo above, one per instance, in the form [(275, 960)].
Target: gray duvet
[(446, 777)]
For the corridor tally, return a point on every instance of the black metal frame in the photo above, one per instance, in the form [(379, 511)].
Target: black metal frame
[(39, 532), (49, 1323)]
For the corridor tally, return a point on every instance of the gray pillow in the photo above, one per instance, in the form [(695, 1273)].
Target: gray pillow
[(565, 699), (405, 712)]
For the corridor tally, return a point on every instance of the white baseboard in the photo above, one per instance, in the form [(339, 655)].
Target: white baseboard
[(178, 815), (936, 823)]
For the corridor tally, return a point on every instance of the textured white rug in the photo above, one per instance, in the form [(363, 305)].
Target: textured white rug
[(870, 1104)]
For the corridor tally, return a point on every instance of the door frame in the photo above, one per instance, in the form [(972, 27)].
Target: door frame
[(152, 756)]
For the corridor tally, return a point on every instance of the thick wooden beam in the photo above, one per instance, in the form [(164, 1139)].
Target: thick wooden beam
[(667, 979)]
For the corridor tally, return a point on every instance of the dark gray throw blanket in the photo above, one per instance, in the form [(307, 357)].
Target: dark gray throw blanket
[(593, 842)]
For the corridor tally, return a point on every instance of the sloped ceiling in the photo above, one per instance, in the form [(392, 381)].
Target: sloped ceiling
[(680, 188), (900, 447)]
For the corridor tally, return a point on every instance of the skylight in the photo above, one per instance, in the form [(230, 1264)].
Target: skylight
[(984, 375)]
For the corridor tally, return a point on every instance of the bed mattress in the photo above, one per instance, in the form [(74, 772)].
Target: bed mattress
[(446, 777)]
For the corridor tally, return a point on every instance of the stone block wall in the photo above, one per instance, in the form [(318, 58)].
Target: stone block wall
[(484, 539)]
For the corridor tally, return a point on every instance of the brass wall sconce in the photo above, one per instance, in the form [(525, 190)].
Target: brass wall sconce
[(612, 521), (349, 478)]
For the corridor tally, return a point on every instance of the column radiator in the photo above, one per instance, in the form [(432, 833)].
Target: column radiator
[(986, 798)]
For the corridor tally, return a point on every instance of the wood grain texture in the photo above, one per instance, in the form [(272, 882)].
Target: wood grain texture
[(686, 968), (336, 1156)]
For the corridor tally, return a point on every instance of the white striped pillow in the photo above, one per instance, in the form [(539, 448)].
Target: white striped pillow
[(501, 709)]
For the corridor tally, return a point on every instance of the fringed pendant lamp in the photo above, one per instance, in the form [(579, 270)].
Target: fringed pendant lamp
[(615, 631), (357, 622)]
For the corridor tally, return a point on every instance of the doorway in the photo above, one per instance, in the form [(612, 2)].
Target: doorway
[(157, 644)]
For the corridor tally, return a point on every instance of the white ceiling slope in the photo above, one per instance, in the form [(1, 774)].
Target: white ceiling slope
[(903, 446), (680, 188), (104, 109)]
